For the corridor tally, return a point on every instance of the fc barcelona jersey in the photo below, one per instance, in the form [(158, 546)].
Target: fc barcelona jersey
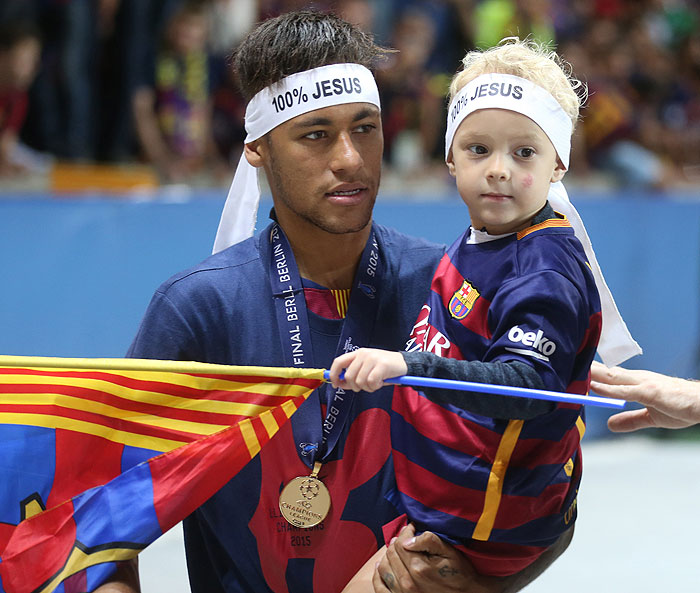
[(501, 489)]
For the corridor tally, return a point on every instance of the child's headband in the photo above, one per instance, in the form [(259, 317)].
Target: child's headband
[(505, 91), (294, 95)]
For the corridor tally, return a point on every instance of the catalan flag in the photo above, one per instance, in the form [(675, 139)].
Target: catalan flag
[(99, 457)]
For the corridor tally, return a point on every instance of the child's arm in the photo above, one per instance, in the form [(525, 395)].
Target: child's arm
[(366, 369), (362, 581), (514, 373)]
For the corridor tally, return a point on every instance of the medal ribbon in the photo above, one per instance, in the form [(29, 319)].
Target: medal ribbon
[(317, 439)]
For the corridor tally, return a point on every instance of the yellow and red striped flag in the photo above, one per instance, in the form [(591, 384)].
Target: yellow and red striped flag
[(99, 457)]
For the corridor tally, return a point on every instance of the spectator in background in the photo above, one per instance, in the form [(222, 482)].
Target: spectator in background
[(665, 77), (173, 116), (20, 49), (638, 124), (230, 21), (358, 12), (128, 54), (641, 59), (621, 130), (228, 116), (495, 19), (411, 105), (63, 99), (612, 117), (688, 108)]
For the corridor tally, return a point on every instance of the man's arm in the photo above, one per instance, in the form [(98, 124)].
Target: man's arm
[(426, 564), (124, 580)]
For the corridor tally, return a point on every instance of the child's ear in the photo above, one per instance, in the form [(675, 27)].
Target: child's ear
[(451, 165), (558, 173)]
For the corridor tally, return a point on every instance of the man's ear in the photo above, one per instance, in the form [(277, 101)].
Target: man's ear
[(558, 173), (255, 152)]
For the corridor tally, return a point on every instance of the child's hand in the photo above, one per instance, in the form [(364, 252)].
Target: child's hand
[(366, 369)]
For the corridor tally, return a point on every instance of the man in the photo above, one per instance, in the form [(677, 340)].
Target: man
[(308, 511)]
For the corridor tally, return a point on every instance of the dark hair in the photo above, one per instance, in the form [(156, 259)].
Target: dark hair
[(14, 33), (298, 41)]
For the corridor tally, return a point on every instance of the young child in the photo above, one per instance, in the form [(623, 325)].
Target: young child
[(513, 302)]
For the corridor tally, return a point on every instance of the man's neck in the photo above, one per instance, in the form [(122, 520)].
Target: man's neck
[(328, 259)]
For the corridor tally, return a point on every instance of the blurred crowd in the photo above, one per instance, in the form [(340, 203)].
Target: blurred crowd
[(148, 81)]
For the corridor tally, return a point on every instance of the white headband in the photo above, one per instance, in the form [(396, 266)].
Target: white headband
[(616, 344), (294, 95), (504, 91)]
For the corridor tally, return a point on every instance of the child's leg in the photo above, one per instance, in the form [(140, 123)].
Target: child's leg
[(362, 581)]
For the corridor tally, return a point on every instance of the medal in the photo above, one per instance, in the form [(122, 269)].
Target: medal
[(305, 501)]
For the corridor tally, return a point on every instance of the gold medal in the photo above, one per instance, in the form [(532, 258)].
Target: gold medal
[(305, 501)]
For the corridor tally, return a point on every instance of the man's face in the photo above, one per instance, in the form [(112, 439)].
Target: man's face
[(324, 167)]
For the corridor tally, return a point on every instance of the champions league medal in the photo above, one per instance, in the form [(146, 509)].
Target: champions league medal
[(305, 501)]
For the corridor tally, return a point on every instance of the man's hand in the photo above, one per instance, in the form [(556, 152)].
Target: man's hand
[(670, 402), (426, 564)]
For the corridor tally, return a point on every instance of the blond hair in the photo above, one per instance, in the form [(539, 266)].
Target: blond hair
[(528, 59)]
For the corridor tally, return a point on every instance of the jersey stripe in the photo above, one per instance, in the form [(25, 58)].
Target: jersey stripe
[(547, 224), (482, 531), (342, 297)]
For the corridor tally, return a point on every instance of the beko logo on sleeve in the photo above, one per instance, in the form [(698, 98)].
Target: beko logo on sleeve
[(543, 348)]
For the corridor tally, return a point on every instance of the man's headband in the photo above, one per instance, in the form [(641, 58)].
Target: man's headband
[(290, 97), (505, 91)]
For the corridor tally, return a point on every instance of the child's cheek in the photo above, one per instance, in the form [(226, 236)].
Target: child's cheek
[(527, 181)]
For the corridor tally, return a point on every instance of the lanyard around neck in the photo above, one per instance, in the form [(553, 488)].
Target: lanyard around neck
[(317, 438)]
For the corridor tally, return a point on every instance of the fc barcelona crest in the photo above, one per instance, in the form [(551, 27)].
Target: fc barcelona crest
[(463, 300)]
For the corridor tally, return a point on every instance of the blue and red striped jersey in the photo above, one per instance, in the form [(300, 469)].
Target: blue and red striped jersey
[(502, 490)]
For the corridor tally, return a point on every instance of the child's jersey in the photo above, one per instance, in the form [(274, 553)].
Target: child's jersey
[(501, 489)]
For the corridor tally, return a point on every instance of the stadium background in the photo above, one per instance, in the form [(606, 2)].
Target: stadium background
[(88, 231)]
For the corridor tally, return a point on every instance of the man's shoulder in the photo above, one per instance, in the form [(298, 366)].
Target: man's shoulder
[(398, 244), (238, 260)]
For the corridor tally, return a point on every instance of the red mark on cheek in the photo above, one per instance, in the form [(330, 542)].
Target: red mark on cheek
[(527, 181)]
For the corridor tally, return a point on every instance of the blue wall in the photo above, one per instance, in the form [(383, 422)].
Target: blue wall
[(78, 273)]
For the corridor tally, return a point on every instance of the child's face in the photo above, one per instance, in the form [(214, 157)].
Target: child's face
[(504, 164)]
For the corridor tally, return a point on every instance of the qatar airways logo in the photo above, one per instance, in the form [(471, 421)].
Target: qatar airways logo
[(349, 346), (424, 337), (542, 348)]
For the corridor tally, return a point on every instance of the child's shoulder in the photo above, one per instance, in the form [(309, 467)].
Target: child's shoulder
[(550, 245), (546, 223)]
